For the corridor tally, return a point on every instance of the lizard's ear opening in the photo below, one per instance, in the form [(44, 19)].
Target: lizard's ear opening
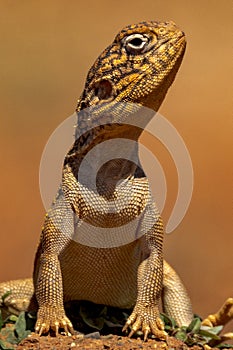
[(103, 89)]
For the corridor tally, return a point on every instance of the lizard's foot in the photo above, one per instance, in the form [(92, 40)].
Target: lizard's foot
[(224, 315), (54, 319), (146, 318), (16, 296), (16, 305)]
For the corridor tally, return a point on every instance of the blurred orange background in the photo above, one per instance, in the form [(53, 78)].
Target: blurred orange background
[(47, 48)]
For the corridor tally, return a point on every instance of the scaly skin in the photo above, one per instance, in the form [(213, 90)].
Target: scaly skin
[(135, 70), (223, 316)]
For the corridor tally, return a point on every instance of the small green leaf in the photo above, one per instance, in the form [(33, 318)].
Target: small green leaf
[(8, 333), (215, 330), (209, 334), (180, 335), (12, 318), (5, 345), (168, 321), (20, 327), (194, 326), (224, 346)]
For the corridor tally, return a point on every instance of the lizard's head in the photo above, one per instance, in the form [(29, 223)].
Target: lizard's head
[(139, 66), (135, 70)]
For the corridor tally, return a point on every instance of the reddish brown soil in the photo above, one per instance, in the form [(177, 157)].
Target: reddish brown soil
[(95, 341)]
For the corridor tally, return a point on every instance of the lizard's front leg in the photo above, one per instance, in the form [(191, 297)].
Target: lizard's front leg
[(150, 275), (49, 294), (47, 270)]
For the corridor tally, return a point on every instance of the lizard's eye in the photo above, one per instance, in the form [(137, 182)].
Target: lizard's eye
[(135, 43)]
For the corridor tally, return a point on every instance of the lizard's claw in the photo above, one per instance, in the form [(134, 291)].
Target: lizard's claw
[(52, 319), (147, 319)]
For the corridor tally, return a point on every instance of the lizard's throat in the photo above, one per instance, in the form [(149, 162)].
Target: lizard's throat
[(103, 133), (111, 153)]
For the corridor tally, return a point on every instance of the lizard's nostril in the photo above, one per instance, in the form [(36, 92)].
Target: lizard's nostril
[(103, 89)]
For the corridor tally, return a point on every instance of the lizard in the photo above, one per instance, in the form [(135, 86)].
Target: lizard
[(135, 71)]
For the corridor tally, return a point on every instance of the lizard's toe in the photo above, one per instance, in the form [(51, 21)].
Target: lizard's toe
[(41, 327), (148, 320), (157, 328), (222, 317), (49, 319)]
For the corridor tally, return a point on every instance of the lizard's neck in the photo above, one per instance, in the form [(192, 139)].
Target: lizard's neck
[(107, 143), (110, 152), (109, 121)]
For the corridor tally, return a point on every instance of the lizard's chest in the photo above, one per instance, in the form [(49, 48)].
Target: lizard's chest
[(108, 244), (102, 275)]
